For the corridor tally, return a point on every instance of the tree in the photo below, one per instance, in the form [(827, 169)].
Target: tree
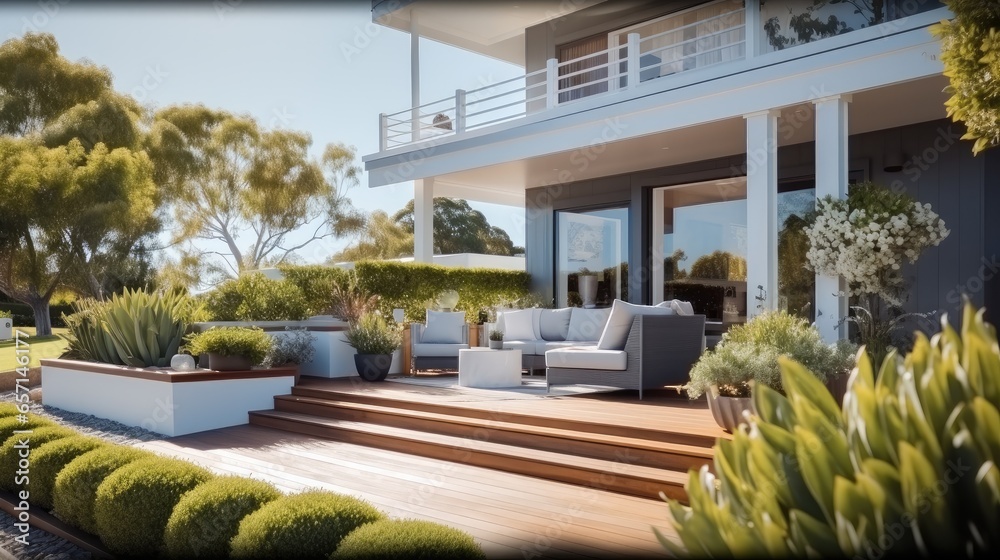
[(720, 265), (795, 281), (970, 51), (382, 238), (460, 229), (75, 193), (230, 179)]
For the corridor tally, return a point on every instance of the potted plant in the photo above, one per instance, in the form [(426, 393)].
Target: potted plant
[(375, 340), (749, 354), (496, 339), (231, 348), (293, 348)]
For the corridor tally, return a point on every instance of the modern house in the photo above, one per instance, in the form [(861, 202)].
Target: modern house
[(673, 147)]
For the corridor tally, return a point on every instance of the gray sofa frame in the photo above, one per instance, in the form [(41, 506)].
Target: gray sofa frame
[(432, 362), (661, 349)]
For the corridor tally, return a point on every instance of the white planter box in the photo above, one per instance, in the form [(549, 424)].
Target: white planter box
[(162, 401), (6, 328)]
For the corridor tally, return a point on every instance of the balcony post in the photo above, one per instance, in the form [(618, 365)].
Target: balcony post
[(414, 77), (751, 29), (632, 66), (383, 132), (459, 111), (551, 83)]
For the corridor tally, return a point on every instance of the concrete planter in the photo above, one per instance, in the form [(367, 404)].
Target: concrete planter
[(728, 411), (162, 400), (6, 328)]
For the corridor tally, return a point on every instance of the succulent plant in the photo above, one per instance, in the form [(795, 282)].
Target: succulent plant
[(908, 465)]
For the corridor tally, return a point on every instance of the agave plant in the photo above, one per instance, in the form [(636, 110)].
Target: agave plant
[(134, 328), (907, 467)]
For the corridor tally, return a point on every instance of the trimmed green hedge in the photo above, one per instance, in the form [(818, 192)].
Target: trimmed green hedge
[(406, 539), (316, 282), (8, 409), (306, 525), (49, 461), (208, 517), (254, 297), (411, 285), (135, 502), (10, 456), (76, 485), (24, 316), (10, 424)]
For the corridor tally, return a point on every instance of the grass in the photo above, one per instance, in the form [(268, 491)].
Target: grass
[(39, 348)]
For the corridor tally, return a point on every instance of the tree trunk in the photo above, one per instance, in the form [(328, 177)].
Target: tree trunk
[(43, 322)]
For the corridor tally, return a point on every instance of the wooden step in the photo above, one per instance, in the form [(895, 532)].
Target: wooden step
[(615, 476), (664, 434), (650, 453)]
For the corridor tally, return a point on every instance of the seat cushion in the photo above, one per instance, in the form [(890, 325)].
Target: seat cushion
[(620, 322), (543, 346), (586, 357), (444, 327), (437, 350), (587, 324), (553, 324), (519, 324)]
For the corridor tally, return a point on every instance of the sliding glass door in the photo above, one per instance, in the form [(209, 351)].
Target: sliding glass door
[(591, 257)]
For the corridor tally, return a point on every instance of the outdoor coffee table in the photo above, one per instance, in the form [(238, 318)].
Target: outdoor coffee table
[(485, 368)]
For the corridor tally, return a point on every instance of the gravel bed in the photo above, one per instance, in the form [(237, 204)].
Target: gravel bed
[(41, 545), (89, 424)]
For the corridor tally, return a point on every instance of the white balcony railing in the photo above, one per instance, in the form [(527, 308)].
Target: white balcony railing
[(703, 43)]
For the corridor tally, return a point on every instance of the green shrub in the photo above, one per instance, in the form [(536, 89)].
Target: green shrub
[(907, 466), (250, 342), (8, 409), (306, 525), (10, 455), (24, 316), (254, 297), (134, 328), (371, 334), (749, 352), (134, 503), (208, 517), (11, 424), (392, 539), (76, 485), (410, 285), (6, 314), (317, 283), (50, 459), (295, 347)]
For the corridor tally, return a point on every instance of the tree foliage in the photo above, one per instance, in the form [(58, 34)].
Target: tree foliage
[(970, 51), (382, 238), (458, 228), (720, 265)]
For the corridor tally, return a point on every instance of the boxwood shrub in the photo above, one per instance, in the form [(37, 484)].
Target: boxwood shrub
[(405, 539), (76, 485), (254, 297), (208, 517), (11, 424), (316, 282), (50, 459), (8, 409), (306, 525), (10, 456), (134, 503)]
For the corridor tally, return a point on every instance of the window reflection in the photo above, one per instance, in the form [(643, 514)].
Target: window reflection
[(592, 255)]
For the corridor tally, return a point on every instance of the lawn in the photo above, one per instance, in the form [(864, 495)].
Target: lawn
[(38, 349)]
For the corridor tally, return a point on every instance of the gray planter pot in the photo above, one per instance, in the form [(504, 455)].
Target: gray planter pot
[(218, 362), (728, 411), (373, 367), (496, 345)]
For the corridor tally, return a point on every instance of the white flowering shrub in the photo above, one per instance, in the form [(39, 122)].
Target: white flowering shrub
[(867, 238)]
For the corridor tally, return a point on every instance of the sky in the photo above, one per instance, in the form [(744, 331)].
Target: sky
[(322, 68)]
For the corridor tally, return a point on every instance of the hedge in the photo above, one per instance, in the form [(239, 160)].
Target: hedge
[(8, 409), (24, 316), (76, 485), (406, 539), (316, 282), (50, 459), (208, 517), (306, 525), (135, 502), (11, 424), (10, 455), (255, 297), (411, 285)]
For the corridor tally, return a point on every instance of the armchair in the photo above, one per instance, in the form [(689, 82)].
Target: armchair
[(435, 343)]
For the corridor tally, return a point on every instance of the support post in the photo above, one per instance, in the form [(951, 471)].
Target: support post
[(632, 66), (414, 76), (423, 220), (751, 29), (832, 169), (762, 211), (459, 111), (551, 83), (383, 132)]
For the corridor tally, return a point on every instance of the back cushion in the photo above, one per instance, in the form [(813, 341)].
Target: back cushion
[(519, 324), (616, 331), (444, 327), (587, 324), (554, 323), (682, 307)]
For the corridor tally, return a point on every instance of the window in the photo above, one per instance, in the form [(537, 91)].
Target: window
[(796, 283), (591, 257), (591, 52)]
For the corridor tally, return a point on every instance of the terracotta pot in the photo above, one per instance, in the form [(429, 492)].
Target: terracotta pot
[(218, 362), (373, 367), (728, 411)]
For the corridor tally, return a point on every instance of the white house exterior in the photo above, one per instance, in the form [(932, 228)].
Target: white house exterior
[(645, 128)]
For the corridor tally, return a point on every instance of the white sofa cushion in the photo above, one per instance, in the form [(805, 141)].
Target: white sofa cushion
[(519, 324), (424, 349), (682, 307), (587, 324), (586, 357), (668, 305), (553, 324), (543, 346), (444, 327), (620, 322)]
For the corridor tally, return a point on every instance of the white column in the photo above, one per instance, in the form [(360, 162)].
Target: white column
[(831, 179), (414, 74), (423, 220), (752, 28), (762, 211)]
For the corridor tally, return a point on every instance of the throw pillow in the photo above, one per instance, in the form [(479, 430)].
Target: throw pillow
[(444, 327), (587, 324), (553, 324), (620, 322), (518, 325), (682, 307), (668, 305)]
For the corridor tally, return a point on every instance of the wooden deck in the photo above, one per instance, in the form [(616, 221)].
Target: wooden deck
[(388, 457)]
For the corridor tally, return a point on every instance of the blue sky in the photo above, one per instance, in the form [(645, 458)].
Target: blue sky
[(320, 68)]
